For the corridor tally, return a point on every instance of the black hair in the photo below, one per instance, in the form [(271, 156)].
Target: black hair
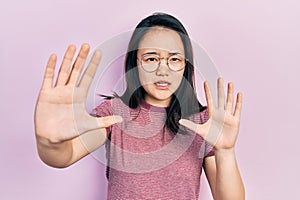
[(184, 101)]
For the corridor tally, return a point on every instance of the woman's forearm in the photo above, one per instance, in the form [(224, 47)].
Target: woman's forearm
[(64, 154), (229, 184)]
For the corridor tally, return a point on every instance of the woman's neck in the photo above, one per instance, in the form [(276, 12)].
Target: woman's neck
[(157, 102)]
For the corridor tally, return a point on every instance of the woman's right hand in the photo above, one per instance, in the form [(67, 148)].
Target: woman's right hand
[(60, 113)]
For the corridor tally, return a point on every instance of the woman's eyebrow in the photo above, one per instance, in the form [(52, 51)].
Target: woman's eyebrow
[(175, 53), (155, 53), (150, 53)]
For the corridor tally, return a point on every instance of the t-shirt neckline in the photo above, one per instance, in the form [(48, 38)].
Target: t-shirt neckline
[(148, 106)]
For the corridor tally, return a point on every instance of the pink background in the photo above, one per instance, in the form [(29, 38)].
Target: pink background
[(255, 44)]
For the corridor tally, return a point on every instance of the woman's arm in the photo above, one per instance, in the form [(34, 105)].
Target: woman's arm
[(223, 176), (221, 131), (65, 132), (64, 154)]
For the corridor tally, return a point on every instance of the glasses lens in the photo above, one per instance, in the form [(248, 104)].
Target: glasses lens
[(176, 62), (150, 62)]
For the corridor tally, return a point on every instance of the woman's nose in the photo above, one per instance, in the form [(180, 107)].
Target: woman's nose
[(163, 68)]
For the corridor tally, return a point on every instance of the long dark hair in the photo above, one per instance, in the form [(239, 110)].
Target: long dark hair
[(184, 101)]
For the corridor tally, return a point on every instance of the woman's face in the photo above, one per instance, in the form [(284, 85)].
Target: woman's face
[(161, 83)]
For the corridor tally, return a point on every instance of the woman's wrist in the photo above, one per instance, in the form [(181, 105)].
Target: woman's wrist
[(228, 151)]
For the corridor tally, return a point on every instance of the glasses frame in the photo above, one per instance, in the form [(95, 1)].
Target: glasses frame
[(167, 61)]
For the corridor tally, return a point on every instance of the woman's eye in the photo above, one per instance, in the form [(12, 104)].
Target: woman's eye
[(151, 59), (174, 59)]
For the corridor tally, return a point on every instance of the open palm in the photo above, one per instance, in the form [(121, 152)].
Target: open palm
[(222, 127), (60, 113)]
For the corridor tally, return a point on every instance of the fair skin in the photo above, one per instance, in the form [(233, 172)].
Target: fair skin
[(65, 132), (163, 43), (222, 168)]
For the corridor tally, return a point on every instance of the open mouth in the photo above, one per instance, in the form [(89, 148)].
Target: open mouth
[(162, 84)]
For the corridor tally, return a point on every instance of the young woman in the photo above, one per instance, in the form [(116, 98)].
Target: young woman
[(158, 136)]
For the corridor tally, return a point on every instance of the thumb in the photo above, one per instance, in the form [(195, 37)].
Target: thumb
[(192, 126), (208, 131), (104, 122)]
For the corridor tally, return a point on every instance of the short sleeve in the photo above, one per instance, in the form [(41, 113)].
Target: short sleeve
[(103, 110), (209, 149)]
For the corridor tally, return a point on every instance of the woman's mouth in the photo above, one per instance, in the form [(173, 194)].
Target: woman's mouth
[(162, 85)]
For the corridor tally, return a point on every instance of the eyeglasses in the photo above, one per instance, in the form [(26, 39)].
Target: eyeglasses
[(150, 62)]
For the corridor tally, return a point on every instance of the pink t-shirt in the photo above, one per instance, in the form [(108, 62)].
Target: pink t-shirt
[(146, 160)]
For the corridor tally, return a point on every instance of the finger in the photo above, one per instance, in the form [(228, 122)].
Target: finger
[(64, 70), (90, 71), (209, 99), (78, 65), (49, 73), (104, 122), (221, 94), (191, 125), (238, 105), (209, 132), (229, 102), (91, 140)]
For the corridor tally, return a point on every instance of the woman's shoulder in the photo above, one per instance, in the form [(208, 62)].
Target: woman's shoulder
[(109, 107), (200, 117)]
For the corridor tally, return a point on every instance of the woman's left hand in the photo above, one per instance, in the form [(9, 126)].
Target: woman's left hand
[(222, 127)]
